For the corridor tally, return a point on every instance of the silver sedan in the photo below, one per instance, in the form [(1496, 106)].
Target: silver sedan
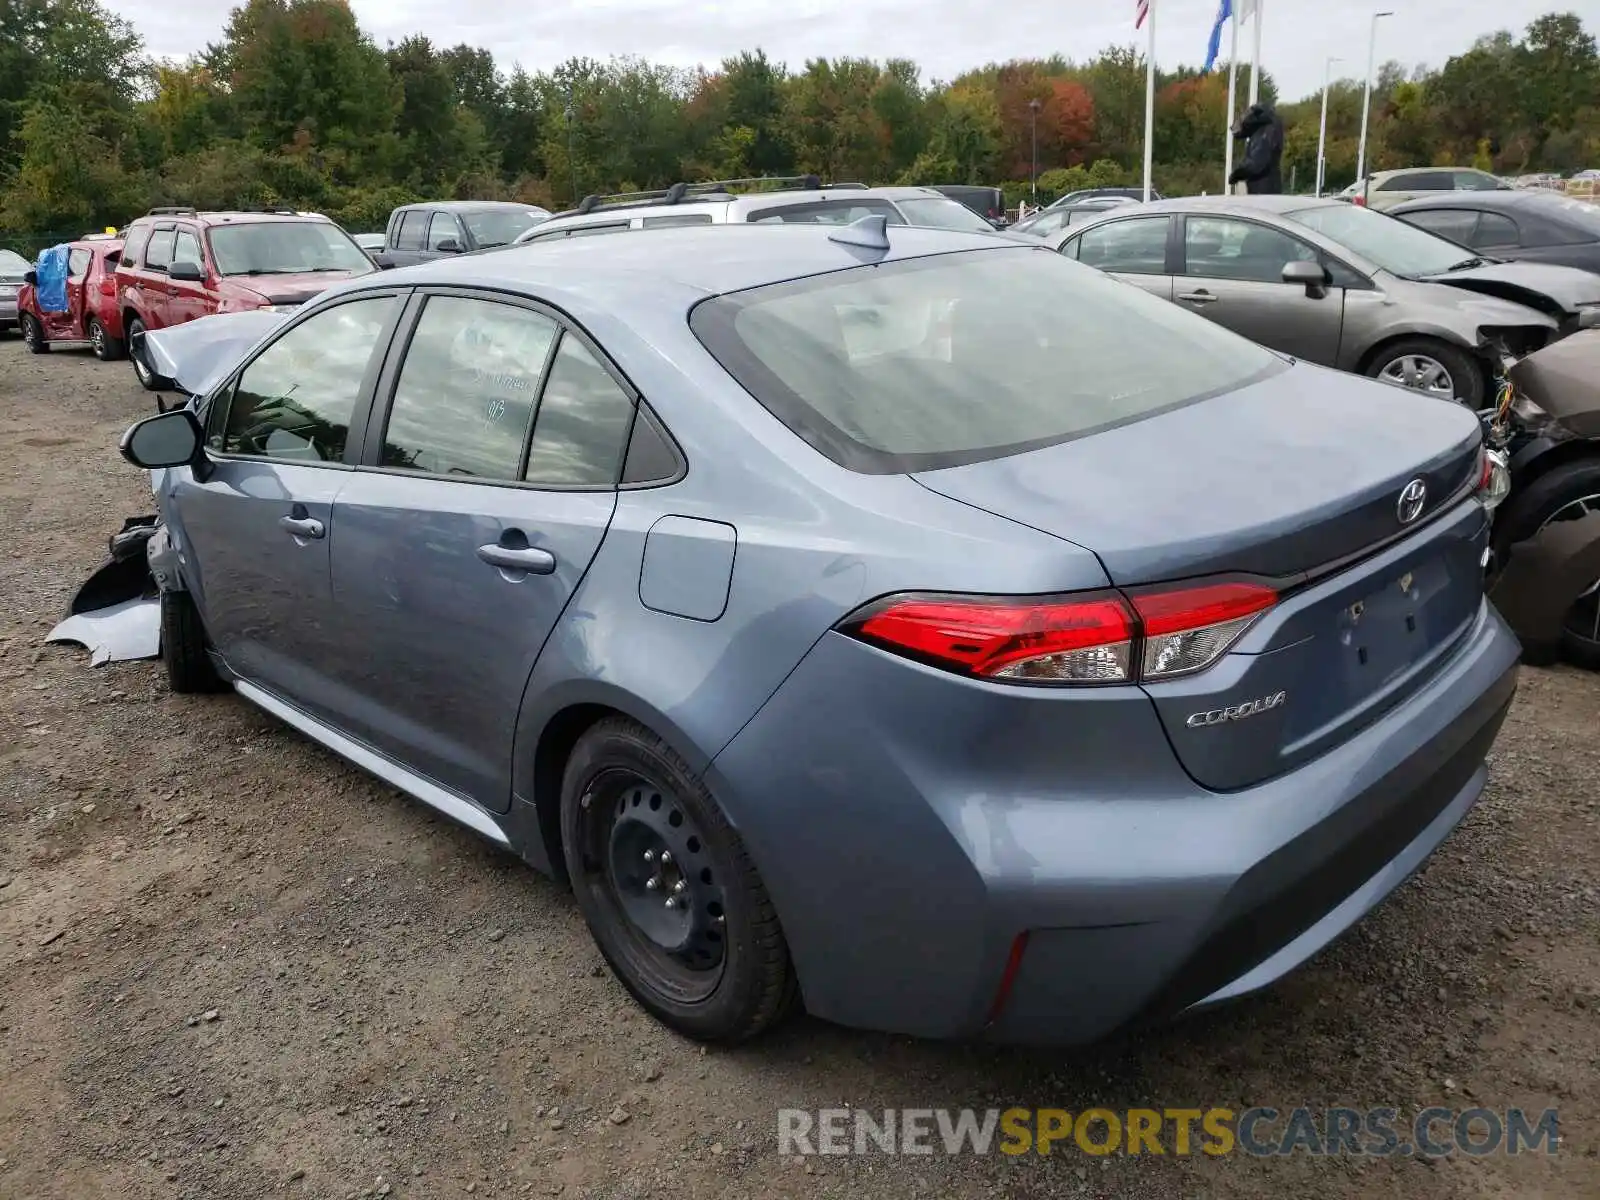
[(1341, 285)]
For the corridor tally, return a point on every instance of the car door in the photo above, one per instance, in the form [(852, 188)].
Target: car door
[(68, 325), (1134, 249), (281, 438), (458, 543), (187, 299), (154, 287), (444, 236), (1233, 275)]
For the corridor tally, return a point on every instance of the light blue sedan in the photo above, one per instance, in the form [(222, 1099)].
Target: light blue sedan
[(916, 623)]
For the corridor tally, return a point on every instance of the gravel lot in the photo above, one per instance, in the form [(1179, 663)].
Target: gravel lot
[(231, 966)]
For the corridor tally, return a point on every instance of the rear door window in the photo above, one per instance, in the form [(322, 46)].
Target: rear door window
[(413, 227), (1495, 229), (159, 253), (1136, 246), (911, 365), (1457, 224), (465, 398), (675, 219)]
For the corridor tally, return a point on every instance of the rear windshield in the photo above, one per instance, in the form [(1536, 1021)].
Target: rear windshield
[(286, 248), (1385, 241), (12, 263), (955, 358), (940, 212)]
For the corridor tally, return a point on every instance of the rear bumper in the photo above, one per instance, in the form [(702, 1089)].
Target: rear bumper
[(909, 835), (8, 312)]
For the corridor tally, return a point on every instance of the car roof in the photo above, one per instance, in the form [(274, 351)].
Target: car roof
[(228, 218), (733, 202), (1508, 199), (677, 265), (1242, 205), (476, 205), (1414, 170)]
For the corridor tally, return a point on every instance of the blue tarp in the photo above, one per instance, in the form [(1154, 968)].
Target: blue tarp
[(51, 290)]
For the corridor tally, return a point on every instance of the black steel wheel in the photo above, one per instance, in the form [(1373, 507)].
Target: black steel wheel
[(670, 894)]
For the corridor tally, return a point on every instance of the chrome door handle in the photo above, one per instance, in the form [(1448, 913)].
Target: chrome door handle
[(537, 562), (306, 527), (1200, 297)]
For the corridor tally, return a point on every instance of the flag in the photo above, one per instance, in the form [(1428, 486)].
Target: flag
[(1224, 11), (1141, 10)]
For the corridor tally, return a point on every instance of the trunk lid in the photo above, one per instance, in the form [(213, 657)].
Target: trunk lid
[(1298, 479), (1285, 475)]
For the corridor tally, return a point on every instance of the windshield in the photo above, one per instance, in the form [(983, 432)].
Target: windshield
[(940, 212), (286, 248), (1387, 242), (500, 227), (12, 263), (912, 365)]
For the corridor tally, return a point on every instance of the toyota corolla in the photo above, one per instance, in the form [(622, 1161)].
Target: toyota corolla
[(842, 636)]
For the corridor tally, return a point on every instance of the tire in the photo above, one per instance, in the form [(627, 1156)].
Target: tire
[(1465, 372), (183, 647), (1527, 511), (140, 368), (33, 335), (624, 788), (106, 348)]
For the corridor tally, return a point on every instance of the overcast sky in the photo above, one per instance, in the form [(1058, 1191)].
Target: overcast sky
[(944, 37)]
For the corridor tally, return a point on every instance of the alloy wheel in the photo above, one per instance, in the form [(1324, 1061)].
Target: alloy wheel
[(97, 338), (1420, 373), (1582, 622)]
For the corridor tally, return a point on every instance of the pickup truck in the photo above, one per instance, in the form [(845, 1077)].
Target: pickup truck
[(420, 233)]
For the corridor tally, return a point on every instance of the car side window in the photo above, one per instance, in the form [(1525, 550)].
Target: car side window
[(594, 230), (1136, 246), (581, 429), (413, 227), (443, 228), (187, 248), (468, 388), (295, 399), (159, 253), (134, 246), (1456, 224), (1217, 248), (1496, 230), (1475, 181), (77, 263)]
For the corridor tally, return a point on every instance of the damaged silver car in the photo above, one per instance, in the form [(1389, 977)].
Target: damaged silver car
[(1343, 286)]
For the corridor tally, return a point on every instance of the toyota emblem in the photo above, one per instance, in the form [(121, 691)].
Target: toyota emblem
[(1413, 497)]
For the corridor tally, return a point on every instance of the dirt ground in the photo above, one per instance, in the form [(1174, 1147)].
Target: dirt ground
[(232, 966)]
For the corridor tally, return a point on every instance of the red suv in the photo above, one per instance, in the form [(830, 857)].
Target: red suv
[(91, 315), (179, 264)]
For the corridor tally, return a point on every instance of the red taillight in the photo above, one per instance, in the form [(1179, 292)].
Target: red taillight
[(1485, 469), (1077, 639), (1359, 199)]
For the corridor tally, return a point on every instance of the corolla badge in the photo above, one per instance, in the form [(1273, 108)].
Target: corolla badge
[(1236, 712), (1412, 499)]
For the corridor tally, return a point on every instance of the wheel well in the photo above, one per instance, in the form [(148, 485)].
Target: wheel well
[(550, 757), (129, 316)]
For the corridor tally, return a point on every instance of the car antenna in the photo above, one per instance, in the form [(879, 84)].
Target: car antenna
[(869, 232)]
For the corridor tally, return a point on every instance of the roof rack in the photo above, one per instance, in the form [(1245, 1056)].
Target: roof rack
[(181, 210), (713, 189)]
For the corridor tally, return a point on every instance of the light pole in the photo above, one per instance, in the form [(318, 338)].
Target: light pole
[(572, 160), (1366, 102), (1033, 119), (1322, 132)]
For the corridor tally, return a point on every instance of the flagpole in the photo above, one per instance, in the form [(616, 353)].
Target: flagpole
[(1233, 76), (1255, 52), (1149, 99)]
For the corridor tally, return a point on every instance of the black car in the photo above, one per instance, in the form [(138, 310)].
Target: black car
[(422, 232), (987, 202), (1532, 225)]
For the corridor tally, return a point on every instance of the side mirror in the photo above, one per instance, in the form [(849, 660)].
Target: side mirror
[(31, 278), (186, 272), (169, 439), (449, 246), (1312, 276)]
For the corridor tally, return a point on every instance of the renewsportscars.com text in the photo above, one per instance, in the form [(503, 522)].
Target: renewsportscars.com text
[(1259, 1132)]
